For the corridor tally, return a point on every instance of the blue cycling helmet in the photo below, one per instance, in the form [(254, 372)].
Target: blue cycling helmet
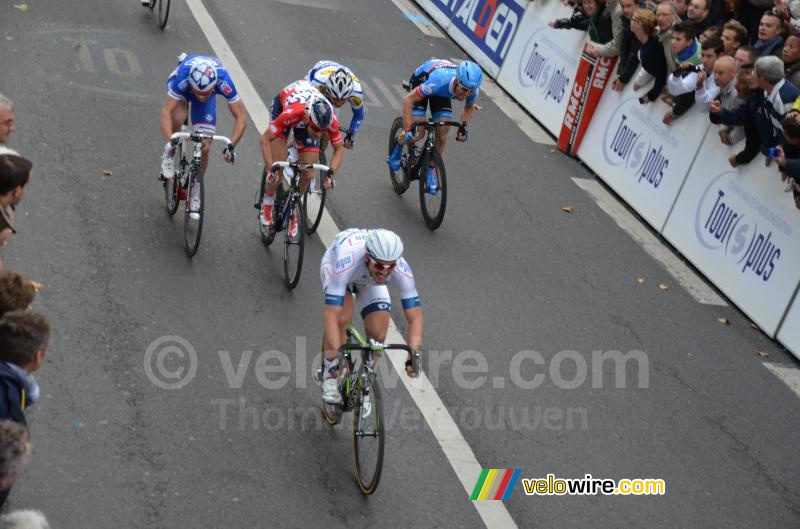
[(319, 111), (203, 76), (469, 75)]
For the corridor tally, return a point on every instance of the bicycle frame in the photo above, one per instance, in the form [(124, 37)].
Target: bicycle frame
[(416, 155)]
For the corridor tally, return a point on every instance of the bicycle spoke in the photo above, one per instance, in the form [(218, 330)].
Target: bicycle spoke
[(369, 435)]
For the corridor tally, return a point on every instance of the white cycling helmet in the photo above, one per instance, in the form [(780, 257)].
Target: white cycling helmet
[(384, 245), (339, 84)]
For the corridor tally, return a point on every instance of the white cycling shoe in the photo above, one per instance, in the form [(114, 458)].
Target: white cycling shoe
[(330, 391), (167, 168)]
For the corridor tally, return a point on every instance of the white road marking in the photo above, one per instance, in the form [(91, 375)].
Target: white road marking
[(370, 99), (696, 287), (789, 375), (328, 4), (420, 20), (443, 427), (393, 102)]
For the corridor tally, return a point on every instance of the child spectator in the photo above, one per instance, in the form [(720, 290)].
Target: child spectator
[(23, 341), (651, 55)]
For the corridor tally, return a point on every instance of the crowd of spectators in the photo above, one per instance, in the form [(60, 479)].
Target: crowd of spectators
[(737, 60), (24, 335)]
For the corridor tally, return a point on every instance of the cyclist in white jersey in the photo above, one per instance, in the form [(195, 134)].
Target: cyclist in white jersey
[(363, 262), (339, 85)]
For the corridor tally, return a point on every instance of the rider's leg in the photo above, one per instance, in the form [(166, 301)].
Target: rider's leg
[(280, 151), (376, 324)]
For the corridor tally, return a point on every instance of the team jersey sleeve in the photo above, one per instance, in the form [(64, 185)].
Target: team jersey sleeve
[(225, 86), (334, 133), (291, 116), (403, 277), (358, 117), (342, 270)]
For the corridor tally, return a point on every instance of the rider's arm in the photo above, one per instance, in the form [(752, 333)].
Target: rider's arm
[(165, 119), (466, 115), (358, 117), (331, 326), (338, 156), (415, 327), (237, 110), (266, 151)]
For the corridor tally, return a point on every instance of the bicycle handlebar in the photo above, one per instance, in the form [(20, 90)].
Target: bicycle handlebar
[(373, 346), (198, 136), (432, 123), (301, 165)]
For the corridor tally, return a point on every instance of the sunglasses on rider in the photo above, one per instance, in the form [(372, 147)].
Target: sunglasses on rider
[(384, 267), (464, 88)]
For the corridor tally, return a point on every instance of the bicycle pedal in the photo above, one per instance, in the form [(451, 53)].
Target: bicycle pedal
[(318, 375)]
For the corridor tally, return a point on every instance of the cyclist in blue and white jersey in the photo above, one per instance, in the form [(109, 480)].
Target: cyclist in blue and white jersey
[(196, 81), (339, 85), (435, 84), (361, 263)]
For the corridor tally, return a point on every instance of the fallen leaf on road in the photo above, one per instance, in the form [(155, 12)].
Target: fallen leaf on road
[(663, 286), (640, 279), (77, 45), (723, 321), (762, 354), (754, 326), (37, 286), (567, 209), (107, 173), (21, 7)]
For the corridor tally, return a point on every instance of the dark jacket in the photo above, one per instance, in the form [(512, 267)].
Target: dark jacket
[(628, 53), (793, 73), (654, 62), (15, 392), (598, 25), (773, 46), (752, 111)]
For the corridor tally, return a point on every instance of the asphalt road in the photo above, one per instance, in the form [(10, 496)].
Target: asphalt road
[(507, 272)]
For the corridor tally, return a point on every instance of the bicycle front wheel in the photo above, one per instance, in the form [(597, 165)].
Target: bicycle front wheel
[(399, 178), (432, 190), (163, 13), (193, 220), (369, 435), (314, 198), (294, 241)]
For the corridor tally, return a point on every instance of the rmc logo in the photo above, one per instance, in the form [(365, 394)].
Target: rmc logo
[(536, 69), (625, 145), (720, 225)]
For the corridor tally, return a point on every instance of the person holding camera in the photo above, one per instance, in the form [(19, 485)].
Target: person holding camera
[(707, 88)]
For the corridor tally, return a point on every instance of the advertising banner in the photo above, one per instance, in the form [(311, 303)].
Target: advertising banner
[(541, 64), (642, 159), (590, 80), (439, 15), (741, 230), (789, 333), (484, 28)]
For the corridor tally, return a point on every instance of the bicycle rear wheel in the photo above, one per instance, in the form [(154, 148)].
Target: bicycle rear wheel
[(267, 235), (193, 227), (369, 435), (433, 201), (294, 242), (314, 198), (163, 13), (399, 178)]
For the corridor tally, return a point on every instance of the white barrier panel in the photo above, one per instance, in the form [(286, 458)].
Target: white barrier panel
[(484, 28), (441, 16), (638, 156), (789, 334), (741, 230), (541, 63)]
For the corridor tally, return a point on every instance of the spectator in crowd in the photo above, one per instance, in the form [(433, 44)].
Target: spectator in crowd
[(791, 59), (770, 35), (15, 454), (15, 174), (683, 81), (779, 92), (706, 88), (24, 336), (723, 88), (610, 48), (788, 157), (710, 32), (629, 48), (745, 55), (698, 16), (16, 292), (682, 9), (666, 18), (750, 114), (750, 13), (733, 36), (6, 124), (591, 16), (24, 520), (651, 55)]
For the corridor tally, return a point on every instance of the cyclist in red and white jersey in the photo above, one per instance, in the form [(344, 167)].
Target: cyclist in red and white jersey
[(301, 109)]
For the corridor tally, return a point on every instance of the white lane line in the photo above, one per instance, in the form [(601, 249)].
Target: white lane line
[(789, 375), (393, 102), (328, 4), (421, 21), (458, 452), (696, 287)]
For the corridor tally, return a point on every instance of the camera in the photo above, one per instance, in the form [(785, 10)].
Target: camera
[(686, 70)]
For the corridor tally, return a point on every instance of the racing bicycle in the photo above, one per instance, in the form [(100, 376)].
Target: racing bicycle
[(314, 197), (188, 175), (414, 166), (287, 216), (361, 394), (163, 11)]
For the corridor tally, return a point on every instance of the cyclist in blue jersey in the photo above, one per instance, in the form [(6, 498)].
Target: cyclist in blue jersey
[(435, 84), (361, 263), (196, 82), (339, 85)]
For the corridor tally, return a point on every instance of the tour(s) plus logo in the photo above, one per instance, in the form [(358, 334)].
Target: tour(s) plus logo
[(538, 69), (627, 144), (721, 225)]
